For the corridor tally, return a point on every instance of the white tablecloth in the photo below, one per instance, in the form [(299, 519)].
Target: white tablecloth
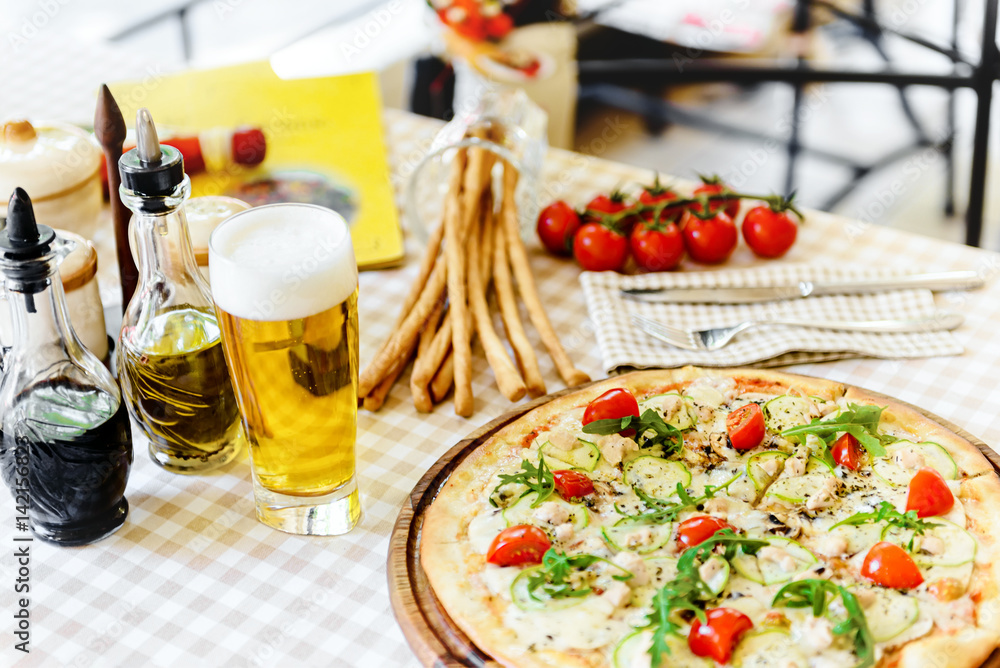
[(194, 579)]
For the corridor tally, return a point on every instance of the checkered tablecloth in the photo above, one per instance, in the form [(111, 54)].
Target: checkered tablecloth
[(193, 579)]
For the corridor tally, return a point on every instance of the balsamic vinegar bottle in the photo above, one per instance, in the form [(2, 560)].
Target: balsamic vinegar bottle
[(65, 442)]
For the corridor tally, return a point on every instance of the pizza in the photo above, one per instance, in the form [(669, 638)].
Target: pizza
[(737, 517)]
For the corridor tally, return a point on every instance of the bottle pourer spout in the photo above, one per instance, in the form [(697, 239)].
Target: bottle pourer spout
[(147, 143), (150, 170), (22, 230), (23, 240)]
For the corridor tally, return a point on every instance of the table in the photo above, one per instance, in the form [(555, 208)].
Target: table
[(194, 579)]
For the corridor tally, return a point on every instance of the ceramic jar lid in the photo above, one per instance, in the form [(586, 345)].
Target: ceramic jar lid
[(203, 215), (47, 160), (80, 266)]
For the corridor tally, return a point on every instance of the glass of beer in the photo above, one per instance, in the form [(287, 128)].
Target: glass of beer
[(285, 285)]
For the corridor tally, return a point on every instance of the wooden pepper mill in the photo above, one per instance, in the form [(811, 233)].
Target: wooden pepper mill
[(110, 129)]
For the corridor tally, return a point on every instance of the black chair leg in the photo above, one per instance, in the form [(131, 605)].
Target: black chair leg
[(794, 142), (985, 75)]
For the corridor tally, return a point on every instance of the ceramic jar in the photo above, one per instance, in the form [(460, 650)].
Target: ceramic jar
[(59, 167)]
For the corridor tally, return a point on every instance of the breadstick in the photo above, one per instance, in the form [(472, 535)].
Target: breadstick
[(374, 399), (431, 359), (508, 379), (430, 327), (422, 399), (401, 342), (443, 379), (440, 384), (421, 395), (526, 283), (511, 315), (461, 332), (427, 265)]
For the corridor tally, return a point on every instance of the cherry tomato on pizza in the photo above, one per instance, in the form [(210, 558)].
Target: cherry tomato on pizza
[(599, 248), (710, 241), (717, 637), (929, 494), (846, 451), (613, 404), (557, 225), (745, 427), (657, 247), (714, 186), (769, 233), (696, 530), (888, 565), (518, 545), (572, 484)]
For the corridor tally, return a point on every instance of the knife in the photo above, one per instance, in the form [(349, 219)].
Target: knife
[(951, 280)]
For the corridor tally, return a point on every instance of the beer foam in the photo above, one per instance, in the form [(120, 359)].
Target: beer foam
[(282, 262)]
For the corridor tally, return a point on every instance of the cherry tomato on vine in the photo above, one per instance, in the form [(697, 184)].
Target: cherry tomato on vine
[(616, 403), (888, 565), (657, 247), (714, 187), (769, 233), (557, 225), (709, 241), (518, 545), (598, 248), (745, 427), (696, 530), (929, 494), (847, 452), (605, 204), (657, 194), (572, 484), (718, 636)]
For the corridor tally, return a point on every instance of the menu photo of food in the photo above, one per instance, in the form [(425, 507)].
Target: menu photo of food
[(246, 133)]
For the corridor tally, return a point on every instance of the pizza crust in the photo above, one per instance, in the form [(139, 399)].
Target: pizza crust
[(967, 456), (968, 648), (981, 498), (473, 609)]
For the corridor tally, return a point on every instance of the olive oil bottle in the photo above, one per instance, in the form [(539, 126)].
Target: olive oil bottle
[(170, 361)]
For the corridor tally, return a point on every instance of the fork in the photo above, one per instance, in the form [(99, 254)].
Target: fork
[(717, 337)]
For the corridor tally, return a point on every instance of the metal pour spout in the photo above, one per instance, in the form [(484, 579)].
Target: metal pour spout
[(147, 143), (150, 170)]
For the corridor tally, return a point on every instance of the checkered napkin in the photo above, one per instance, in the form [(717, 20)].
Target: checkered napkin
[(623, 345)]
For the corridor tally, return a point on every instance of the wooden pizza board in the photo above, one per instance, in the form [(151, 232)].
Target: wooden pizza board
[(434, 637)]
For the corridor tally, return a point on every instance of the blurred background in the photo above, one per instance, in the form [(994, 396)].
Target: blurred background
[(868, 108)]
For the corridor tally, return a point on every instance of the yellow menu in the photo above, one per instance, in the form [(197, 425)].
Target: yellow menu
[(323, 143)]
